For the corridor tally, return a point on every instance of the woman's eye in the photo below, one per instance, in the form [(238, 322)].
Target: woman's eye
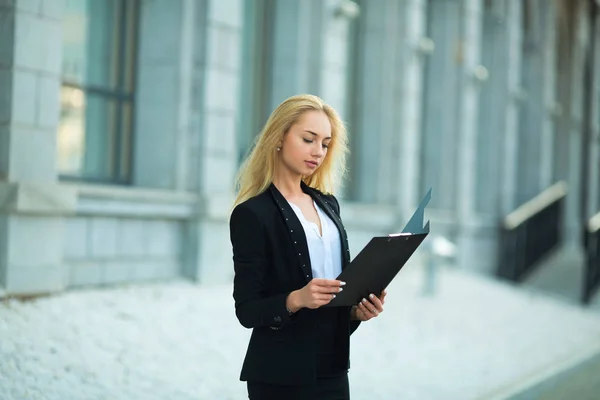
[(307, 141), (325, 146)]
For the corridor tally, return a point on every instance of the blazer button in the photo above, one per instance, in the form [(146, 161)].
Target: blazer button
[(277, 319)]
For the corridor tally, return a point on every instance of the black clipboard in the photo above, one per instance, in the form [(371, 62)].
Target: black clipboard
[(381, 259)]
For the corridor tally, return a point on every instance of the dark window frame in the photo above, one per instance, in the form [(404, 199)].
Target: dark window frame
[(122, 96)]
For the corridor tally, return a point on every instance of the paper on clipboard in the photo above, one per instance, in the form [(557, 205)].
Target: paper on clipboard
[(415, 224)]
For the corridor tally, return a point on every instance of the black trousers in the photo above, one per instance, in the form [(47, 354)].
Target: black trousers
[(330, 388)]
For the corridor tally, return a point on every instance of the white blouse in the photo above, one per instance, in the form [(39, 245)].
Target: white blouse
[(325, 251)]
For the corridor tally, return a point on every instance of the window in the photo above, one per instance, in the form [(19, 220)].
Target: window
[(97, 96)]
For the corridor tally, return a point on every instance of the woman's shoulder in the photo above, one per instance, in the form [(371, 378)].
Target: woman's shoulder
[(258, 205), (329, 198)]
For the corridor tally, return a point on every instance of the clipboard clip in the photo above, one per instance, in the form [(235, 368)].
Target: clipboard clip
[(400, 234)]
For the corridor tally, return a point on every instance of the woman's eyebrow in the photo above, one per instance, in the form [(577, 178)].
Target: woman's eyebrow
[(306, 130)]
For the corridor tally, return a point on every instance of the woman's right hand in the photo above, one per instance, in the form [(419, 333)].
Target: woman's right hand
[(315, 294)]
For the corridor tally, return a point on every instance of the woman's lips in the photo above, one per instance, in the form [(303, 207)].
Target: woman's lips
[(311, 164)]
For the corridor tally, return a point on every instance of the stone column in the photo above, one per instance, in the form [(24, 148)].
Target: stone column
[(213, 159), (334, 80), (164, 91), (548, 95), (573, 202), (31, 229), (297, 49), (378, 80), (594, 160), (407, 187), (467, 139), (510, 146)]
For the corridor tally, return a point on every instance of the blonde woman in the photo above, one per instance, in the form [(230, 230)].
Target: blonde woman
[(289, 245)]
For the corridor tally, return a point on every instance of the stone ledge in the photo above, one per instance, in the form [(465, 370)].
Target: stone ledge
[(84, 199), (36, 198), (134, 202)]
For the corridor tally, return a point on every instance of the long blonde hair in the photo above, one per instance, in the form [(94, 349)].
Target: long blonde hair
[(258, 169)]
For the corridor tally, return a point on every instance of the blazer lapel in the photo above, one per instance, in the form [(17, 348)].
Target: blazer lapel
[(324, 204), (295, 231)]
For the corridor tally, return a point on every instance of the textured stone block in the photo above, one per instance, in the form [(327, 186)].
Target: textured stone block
[(215, 255), (28, 41), (30, 6), (7, 4), (163, 238), (155, 270), (24, 97), (7, 38), (103, 237), (48, 102), (77, 238), (228, 12), (35, 241), (219, 134), (6, 81), (132, 234), (53, 9), (34, 280), (40, 148), (4, 233), (218, 174), (38, 43), (85, 274), (221, 90), (116, 272), (224, 48)]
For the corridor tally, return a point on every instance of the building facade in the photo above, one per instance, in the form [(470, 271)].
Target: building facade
[(123, 123)]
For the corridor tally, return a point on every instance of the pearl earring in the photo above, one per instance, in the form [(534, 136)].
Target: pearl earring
[(279, 149)]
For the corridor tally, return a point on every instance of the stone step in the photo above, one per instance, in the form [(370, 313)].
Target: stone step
[(560, 275), (576, 378)]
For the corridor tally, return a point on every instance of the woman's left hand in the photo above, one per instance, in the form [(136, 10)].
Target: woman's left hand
[(370, 308)]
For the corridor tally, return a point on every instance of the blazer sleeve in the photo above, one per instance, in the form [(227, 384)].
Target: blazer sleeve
[(248, 240), (353, 324)]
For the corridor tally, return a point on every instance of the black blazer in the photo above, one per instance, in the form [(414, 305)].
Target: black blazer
[(271, 259)]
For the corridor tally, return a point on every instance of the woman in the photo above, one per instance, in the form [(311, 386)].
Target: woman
[(289, 245)]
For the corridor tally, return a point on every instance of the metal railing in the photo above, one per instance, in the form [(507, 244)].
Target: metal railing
[(591, 276), (530, 233)]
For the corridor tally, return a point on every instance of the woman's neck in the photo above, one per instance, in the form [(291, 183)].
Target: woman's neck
[(288, 185)]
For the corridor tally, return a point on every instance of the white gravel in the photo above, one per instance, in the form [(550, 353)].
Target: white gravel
[(178, 340)]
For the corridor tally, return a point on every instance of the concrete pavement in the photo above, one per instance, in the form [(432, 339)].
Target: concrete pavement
[(171, 340)]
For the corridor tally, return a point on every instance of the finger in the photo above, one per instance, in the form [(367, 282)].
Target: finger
[(370, 306), (331, 283), (360, 315), (376, 302), (367, 315), (382, 296), (327, 289), (325, 297)]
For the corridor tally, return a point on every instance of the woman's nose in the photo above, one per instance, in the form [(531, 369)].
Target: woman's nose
[(319, 151)]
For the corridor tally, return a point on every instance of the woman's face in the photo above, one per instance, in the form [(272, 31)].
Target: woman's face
[(304, 146)]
